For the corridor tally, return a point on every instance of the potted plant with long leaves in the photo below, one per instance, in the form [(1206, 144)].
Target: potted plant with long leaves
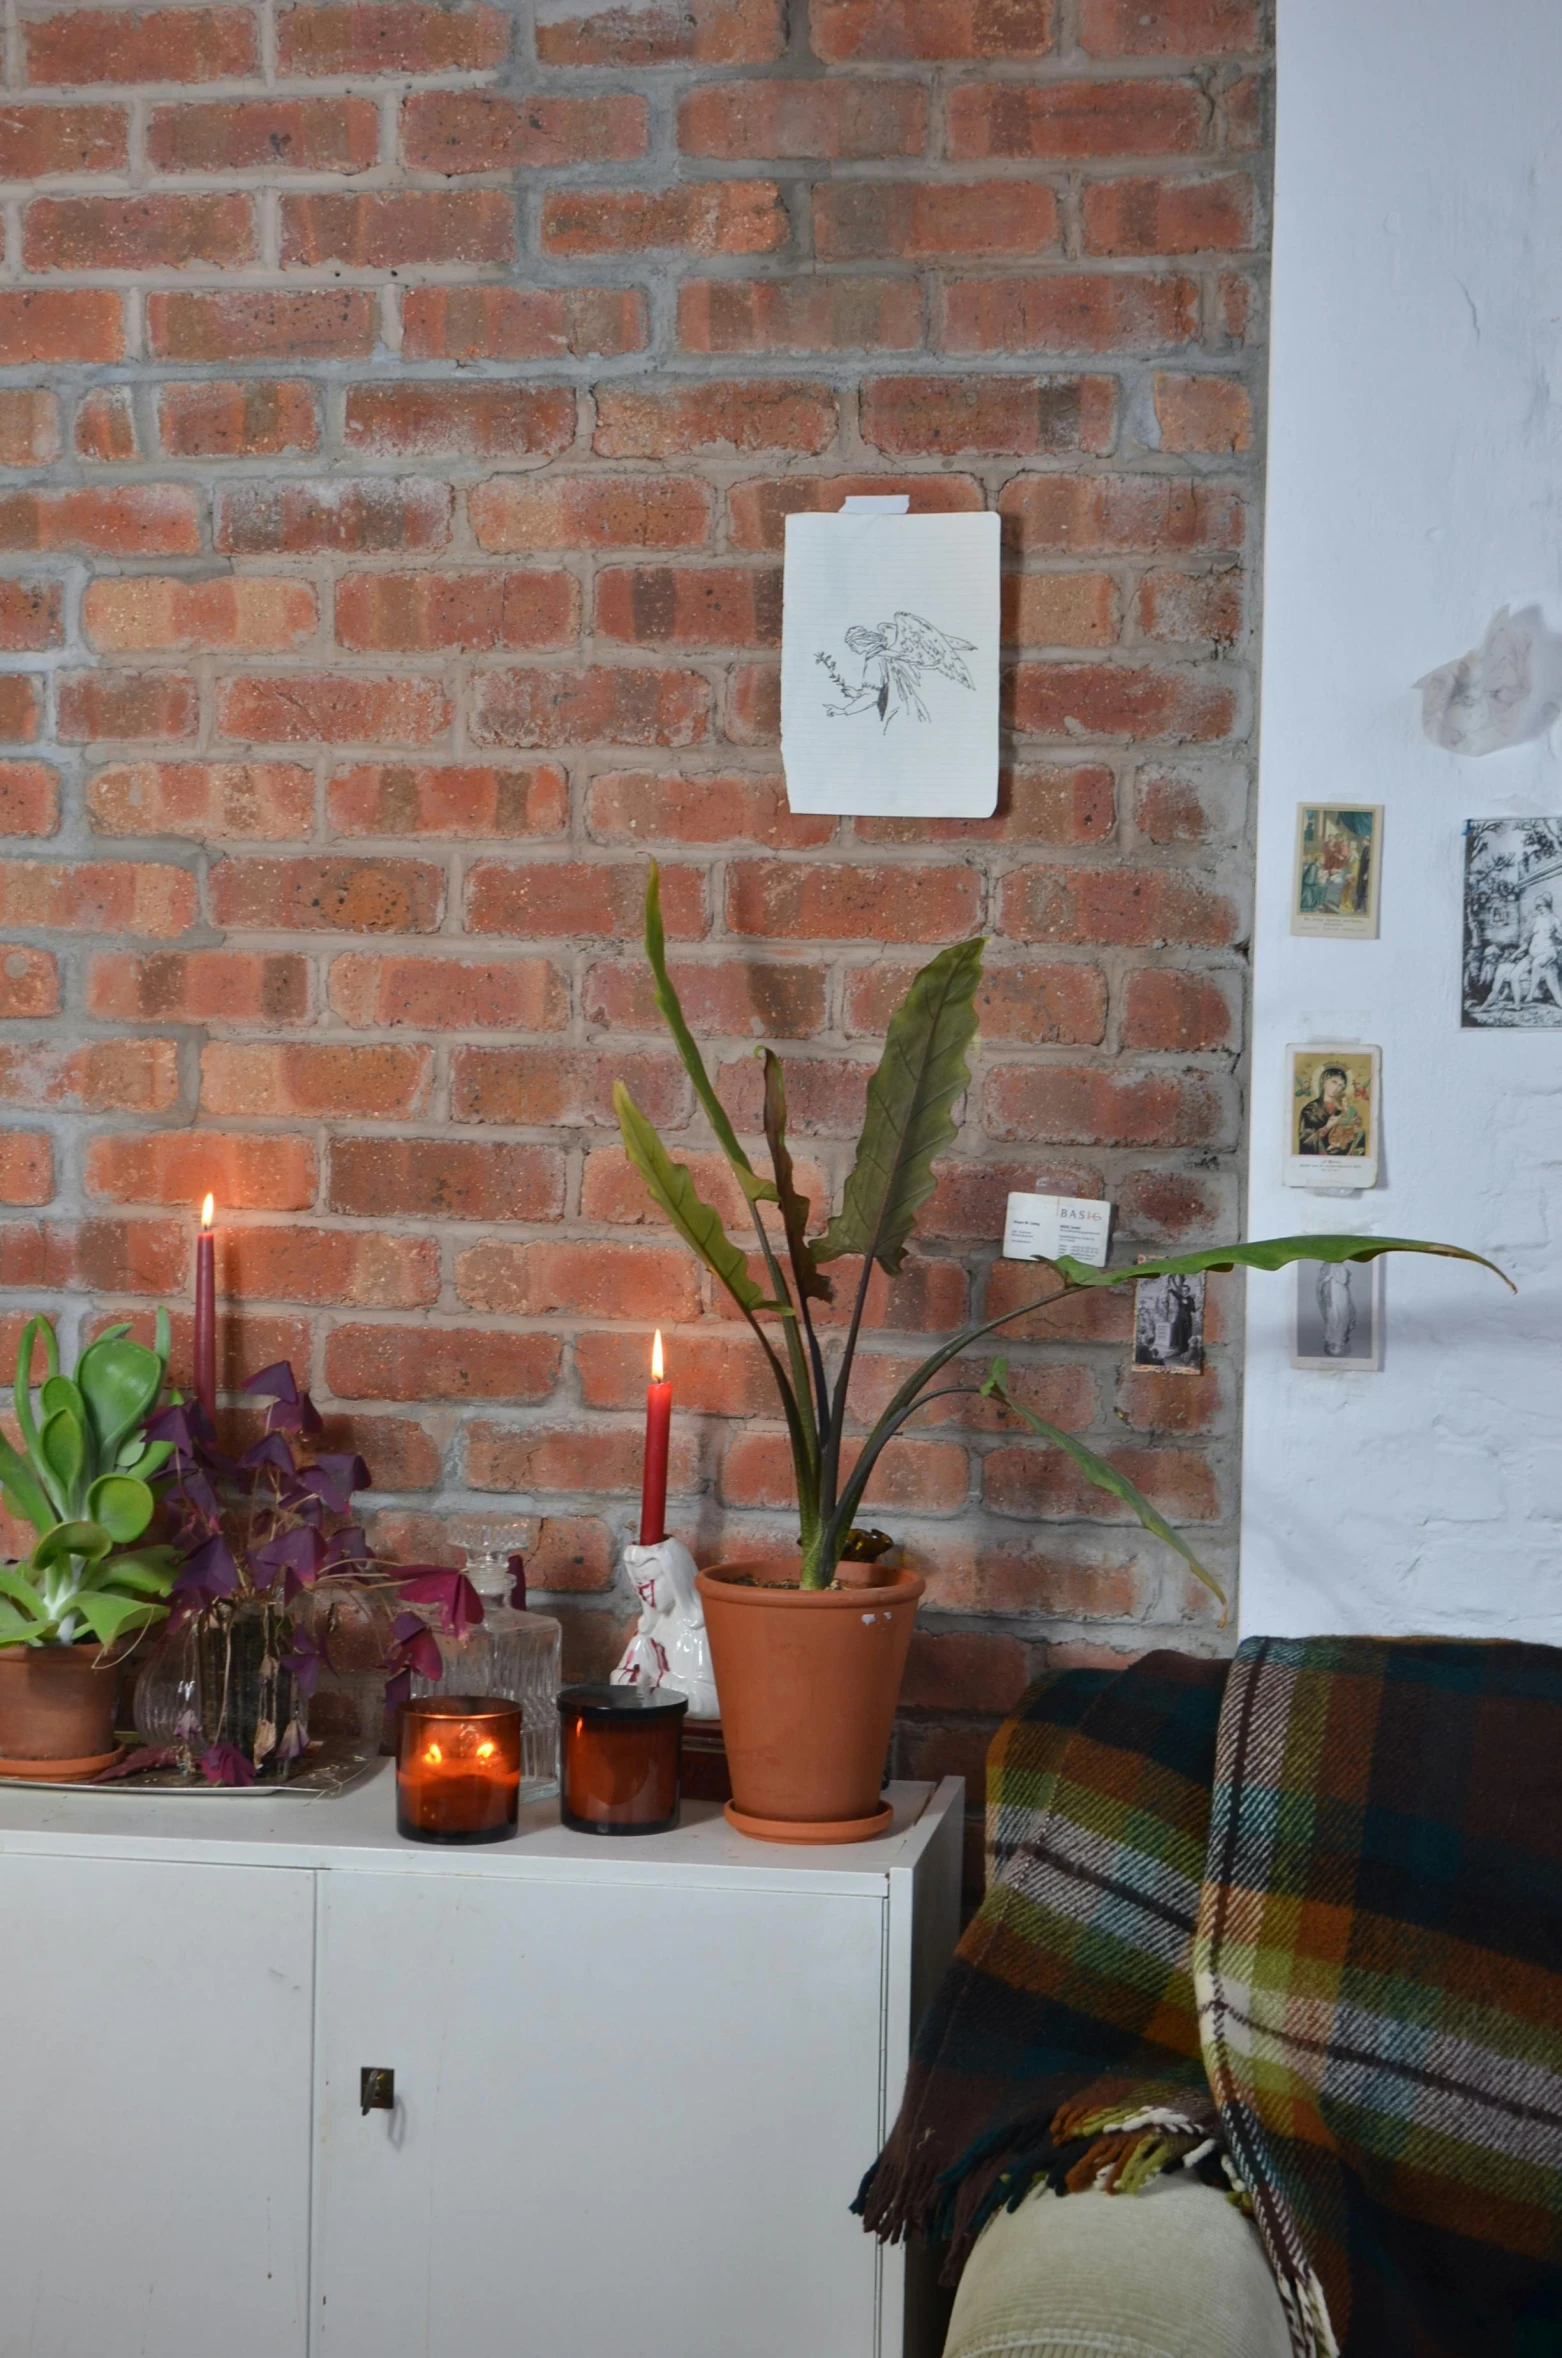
[(808, 1670), (73, 1608)]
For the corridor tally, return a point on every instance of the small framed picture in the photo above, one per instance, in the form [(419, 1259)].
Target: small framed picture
[(1337, 1316), (1334, 1108), (1512, 929), (1339, 857), (1169, 1324)]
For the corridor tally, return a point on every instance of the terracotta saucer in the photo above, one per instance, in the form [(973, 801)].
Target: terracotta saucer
[(811, 1830), (62, 1772)]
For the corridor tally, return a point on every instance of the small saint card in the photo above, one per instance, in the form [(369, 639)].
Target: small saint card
[(1045, 1227), (1339, 852), (889, 665), (1169, 1323), (1334, 1111), (1337, 1316)]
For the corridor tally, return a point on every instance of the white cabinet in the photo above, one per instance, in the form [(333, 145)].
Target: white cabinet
[(636, 2083)]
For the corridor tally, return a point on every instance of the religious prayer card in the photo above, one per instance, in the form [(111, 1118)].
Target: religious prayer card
[(1339, 861), (1333, 1111), (889, 665), (1045, 1227)]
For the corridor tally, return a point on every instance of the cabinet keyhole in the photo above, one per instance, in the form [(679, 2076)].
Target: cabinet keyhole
[(376, 2089)]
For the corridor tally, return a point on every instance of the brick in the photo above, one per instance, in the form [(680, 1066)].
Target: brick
[(845, 120), (965, 1672), (252, 417), (41, 142), (809, 314), (1070, 1579), (1245, 109), (654, 421), (264, 134), (245, 1173), (662, 32), (128, 706), (1070, 311), (712, 1376), (528, 1087), (442, 420), (384, 613), (21, 707), (270, 323), (913, 1476), (116, 1257), (1174, 28), (295, 1078), (132, 520), (426, 1362), (930, 417), (1182, 1012), (603, 704), (29, 426), (455, 131), (1117, 700), (1137, 908), (758, 511), (1145, 215), (1060, 610), (106, 426), (1109, 515), (397, 228), (200, 986), (328, 1265), (1064, 806), (584, 1279), (29, 981), (630, 806), (29, 798), (138, 233), (177, 616), (26, 1167), (1179, 608), (1099, 1108), (825, 1095), (1105, 1316), (553, 898), (1045, 1483), (245, 1342), (382, 798), (31, 616), (1170, 808), (98, 1076), (968, 1202), (399, 1452), (1048, 122), (821, 902), (449, 994), (203, 799), (845, 32), (1052, 1004), (595, 1458), (125, 45), (753, 711), (1155, 1402), (330, 895), (691, 217), (60, 325), (923, 219), (513, 513), (1172, 1207), (445, 1179), (1203, 413), (336, 708), (395, 37), (689, 606), (1065, 1396), (614, 1192), (522, 323), (371, 516), (747, 1000)]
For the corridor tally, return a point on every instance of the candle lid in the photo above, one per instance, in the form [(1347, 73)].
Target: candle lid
[(598, 1700), (464, 1707)]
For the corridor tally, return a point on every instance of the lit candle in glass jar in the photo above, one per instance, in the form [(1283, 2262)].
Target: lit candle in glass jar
[(458, 1768)]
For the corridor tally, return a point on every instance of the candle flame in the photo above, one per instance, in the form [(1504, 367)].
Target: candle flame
[(433, 1756), (206, 1213), (487, 1749), (656, 1358)]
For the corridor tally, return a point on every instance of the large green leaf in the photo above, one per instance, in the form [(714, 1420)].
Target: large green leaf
[(15, 1585), (1274, 1252), (72, 1539), (119, 1380), (24, 1492), (757, 1189), (35, 1331), (62, 1445), (146, 1572), (1097, 1471), (921, 1073), (122, 1505), (110, 1617), (674, 1190), (144, 1458), (795, 1208)]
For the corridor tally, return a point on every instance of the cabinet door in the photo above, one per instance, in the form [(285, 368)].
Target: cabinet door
[(629, 2118), (154, 2095)]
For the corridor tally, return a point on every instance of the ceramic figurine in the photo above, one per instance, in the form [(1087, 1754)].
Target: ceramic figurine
[(669, 1646)]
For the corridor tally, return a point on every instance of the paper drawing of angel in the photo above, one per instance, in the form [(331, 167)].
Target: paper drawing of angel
[(894, 659)]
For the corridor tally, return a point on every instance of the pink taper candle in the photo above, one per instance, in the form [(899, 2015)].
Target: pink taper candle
[(658, 1427)]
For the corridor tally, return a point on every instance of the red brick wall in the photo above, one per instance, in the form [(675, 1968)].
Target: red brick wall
[(402, 404)]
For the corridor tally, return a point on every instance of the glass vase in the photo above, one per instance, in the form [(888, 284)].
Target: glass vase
[(220, 1679)]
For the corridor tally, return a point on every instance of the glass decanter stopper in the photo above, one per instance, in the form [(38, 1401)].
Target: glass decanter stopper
[(512, 1652)]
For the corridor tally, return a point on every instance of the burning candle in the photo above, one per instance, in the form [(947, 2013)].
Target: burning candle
[(206, 1313), (658, 1428), (458, 1768)]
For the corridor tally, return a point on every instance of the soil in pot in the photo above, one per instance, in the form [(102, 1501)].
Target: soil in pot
[(57, 1710), (808, 1681)]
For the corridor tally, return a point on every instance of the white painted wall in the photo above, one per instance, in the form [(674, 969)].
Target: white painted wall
[(1415, 485)]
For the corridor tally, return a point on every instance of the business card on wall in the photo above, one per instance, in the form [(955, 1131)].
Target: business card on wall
[(1046, 1227)]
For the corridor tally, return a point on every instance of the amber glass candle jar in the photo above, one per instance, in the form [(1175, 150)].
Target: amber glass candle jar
[(458, 1768), (618, 1771)]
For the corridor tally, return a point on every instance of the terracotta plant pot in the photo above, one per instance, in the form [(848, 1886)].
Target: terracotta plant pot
[(808, 1681), (57, 1710)]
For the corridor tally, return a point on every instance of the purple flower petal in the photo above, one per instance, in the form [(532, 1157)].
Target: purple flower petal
[(225, 1764), (276, 1382)]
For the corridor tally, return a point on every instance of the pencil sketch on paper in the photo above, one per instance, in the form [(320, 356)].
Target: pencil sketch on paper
[(894, 658)]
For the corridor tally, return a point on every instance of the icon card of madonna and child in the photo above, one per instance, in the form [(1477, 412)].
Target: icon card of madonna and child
[(889, 665), (1334, 1110), (1337, 1316), (1512, 978), (1169, 1323), (1334, 896)]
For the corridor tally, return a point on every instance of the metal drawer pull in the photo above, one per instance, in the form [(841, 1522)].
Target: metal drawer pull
[(376, 2089)]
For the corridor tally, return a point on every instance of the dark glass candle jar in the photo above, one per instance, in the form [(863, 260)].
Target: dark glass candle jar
[(618, 1771), (458, 1768)]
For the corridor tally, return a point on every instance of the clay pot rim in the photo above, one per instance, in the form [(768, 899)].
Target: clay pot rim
[(733, 1583), (21, 1653)]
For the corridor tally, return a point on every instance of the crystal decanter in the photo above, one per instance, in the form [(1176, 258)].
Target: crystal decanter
[(513, 1652)]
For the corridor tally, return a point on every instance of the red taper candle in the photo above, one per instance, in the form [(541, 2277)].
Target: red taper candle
[(206, 1313), (658, 1429)]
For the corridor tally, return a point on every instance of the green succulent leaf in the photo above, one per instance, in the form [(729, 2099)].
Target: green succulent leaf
[(921, 1073), (674, 1190), (62, 1445), (71, 1539), (147, 1572), (119, 1380), (1274, 1252), (14, 1584), (122, 1504), (24, 1493), (110, 1617), (757, 1190), (145, 1458)]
